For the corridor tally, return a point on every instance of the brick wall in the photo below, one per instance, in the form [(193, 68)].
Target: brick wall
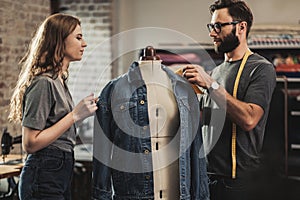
[(96, 23), (94, 71), (18, 20)]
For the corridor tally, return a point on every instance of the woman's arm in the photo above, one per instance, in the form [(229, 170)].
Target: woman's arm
[(34, 140)]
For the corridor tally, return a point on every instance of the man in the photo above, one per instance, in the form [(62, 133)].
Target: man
[(242, 88)]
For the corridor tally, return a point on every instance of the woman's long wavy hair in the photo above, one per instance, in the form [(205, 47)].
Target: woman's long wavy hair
[(45, 54)]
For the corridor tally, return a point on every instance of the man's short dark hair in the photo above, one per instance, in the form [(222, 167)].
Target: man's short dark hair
[(238, 10)]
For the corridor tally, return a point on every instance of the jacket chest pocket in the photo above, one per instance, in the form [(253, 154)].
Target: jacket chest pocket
[(123, 114)]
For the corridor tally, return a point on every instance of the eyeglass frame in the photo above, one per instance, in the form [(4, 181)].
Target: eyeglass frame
[(213, 26)]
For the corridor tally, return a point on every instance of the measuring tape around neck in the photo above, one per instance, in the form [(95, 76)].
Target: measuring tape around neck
[(235, 89)]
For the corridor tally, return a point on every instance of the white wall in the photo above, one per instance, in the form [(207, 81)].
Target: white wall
[(188, 17), (191, 16), (275, 11)]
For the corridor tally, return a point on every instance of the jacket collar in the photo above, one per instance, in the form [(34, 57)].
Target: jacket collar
[(134, 74)]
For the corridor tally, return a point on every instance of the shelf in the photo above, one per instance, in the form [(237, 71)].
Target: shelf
[(262, 36), (210, 46), (288, 79), (295, 113), (295, 146), (251, 46)]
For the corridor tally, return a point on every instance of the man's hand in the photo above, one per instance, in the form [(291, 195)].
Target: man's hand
[(196, 74)]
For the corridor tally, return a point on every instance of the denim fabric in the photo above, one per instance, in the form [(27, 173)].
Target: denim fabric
[(122, 125), (47, 175)]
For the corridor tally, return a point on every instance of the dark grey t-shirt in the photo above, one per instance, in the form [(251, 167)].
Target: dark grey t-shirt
[(46, 101), (256, 85)]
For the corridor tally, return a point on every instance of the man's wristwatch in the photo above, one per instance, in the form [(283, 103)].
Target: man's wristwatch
[(213, 86)]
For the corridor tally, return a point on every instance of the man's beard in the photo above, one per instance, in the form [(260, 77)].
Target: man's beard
[(229, 43)]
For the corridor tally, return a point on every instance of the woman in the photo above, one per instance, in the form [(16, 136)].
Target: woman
[(42, 102)]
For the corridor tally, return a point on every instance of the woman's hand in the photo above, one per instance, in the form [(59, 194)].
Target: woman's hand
[(85, 108)]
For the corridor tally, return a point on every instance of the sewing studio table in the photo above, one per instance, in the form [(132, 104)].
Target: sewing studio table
[(12, 166)]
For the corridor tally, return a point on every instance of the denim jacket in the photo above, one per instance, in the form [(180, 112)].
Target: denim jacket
[(121, 169)]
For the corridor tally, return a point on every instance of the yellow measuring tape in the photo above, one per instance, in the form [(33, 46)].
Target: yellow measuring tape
[(235, 89)]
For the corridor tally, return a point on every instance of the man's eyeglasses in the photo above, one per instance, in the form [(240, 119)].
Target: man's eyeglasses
[(218, 26)]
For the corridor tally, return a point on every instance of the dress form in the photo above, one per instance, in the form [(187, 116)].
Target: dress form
[(164, 123)]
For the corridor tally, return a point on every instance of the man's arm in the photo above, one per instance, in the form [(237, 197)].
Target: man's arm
[(246, 115)]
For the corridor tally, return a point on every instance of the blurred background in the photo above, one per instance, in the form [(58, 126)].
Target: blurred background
[(116, 30)]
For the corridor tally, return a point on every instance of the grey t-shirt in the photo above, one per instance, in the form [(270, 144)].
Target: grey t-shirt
[(46, 101), (256, 85)]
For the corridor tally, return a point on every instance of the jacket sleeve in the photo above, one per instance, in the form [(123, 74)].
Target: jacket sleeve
[(200, 188), (102, 145), (199, 170)]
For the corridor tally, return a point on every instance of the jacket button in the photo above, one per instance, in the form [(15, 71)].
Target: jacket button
[(146, 151), (142, 102), (147, 177), (145, 127), (122, 107)]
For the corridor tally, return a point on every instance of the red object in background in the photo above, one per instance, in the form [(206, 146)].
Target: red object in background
[(171, 58), (288, 68)]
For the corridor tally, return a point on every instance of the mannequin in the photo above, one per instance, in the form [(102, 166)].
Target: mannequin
[(147, 139), (164, 123)]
